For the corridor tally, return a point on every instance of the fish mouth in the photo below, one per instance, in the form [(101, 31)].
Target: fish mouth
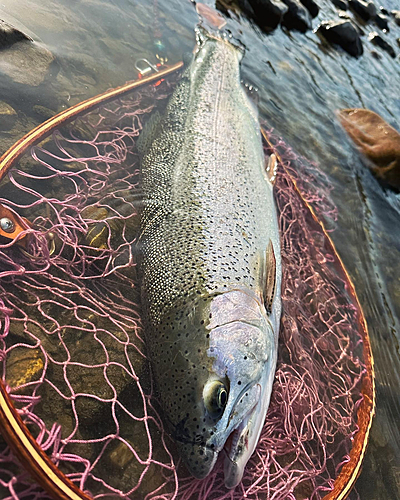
[(238, 448)]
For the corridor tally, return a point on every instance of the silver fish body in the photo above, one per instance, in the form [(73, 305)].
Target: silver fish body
[(210, 249)]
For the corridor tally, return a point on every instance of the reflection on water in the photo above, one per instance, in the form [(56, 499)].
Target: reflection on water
[(301, 81)]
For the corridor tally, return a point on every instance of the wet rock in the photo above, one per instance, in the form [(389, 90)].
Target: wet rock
[(383, 11), (396, 16), (378, 141), (342, 33), (382, 22), (345, 15), (24, 365), (10, 35), (8, 116), (379, 41), (43, 112), (341, 4), (266, 13), (297, 17), (26, 62), (311, 6), (366, 10)]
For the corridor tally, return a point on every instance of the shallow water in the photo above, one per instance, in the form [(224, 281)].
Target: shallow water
[(301, 81)]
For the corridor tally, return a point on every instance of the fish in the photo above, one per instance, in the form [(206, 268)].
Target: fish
[(210, 265)]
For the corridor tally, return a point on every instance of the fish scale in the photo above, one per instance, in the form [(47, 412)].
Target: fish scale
[(208, 219)]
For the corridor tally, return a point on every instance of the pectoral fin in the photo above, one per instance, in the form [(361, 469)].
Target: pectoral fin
[(270, 278), (272, 168)]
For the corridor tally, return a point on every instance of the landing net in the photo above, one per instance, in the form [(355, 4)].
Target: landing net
[(71, 344)]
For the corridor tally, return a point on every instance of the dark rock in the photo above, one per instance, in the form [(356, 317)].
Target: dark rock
[(366, 10), (297, 17), (43, 112), (383, 11), (266, 13), (398, 42), (396, 16), (345, 15), (343, 33), (341, 4), (377, 40), (382, 22), (311, 6), (10, 35)]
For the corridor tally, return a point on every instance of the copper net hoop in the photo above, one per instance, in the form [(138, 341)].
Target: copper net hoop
[(317, 426)]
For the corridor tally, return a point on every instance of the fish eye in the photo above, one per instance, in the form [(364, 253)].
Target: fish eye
[(215, 396), (7, 225)]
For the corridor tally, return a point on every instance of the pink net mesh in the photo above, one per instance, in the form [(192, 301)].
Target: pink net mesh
[(71, 344)]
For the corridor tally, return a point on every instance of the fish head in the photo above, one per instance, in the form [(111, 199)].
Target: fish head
[(227, 392), (244, 351)]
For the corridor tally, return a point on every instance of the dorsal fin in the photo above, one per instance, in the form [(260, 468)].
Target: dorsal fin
[(270, 278)]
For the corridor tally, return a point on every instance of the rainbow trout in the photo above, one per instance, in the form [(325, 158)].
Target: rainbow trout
[(210, 266)]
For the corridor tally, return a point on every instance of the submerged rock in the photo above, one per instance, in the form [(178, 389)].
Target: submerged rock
[(297, 17), (266, 13), (26, 62), (8, 116), (366, 10), (23, 366), (379, 41), (378, 141), (10, 35), (43, 112), (342, 33)]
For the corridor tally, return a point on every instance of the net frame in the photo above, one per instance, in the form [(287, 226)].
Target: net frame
[(17, 428)]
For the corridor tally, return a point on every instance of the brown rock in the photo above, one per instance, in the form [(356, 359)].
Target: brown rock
[(378, 141), (8, 116), (23, 365)]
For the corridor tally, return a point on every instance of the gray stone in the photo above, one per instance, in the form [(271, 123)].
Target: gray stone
[(26, 62)]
